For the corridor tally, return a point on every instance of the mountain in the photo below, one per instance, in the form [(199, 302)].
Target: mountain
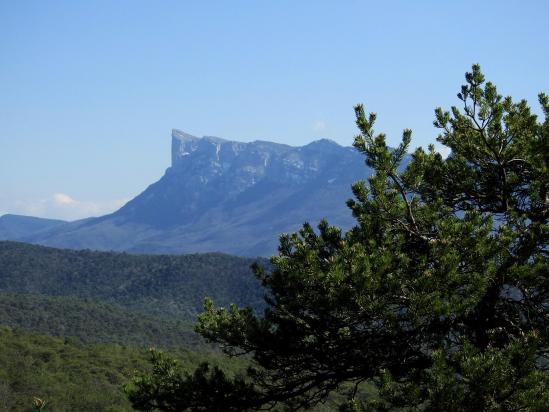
[(15, 226), (221, 195)]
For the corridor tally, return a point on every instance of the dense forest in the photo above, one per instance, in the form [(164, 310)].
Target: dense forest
[(72, 376), (167, 286), (92, 321), (76, 325)]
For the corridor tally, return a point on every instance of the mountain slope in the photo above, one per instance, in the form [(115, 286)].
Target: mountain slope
[(92, 321), (227, 196), (14, 227), (160, 286)]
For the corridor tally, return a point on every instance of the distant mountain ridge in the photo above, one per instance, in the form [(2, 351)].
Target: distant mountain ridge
[(227, 196), (17, 226)]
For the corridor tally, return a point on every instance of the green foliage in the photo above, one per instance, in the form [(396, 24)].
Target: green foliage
[(167, 286), (167, 386), (439, 295), (93, 322), (91, 297), (66, 375)]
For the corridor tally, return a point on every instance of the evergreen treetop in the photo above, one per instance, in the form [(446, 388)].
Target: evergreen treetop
[(439, 296)]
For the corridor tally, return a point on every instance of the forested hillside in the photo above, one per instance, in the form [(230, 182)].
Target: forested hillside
[(71, 376), (75, 325), (93, 322), (167, 286)]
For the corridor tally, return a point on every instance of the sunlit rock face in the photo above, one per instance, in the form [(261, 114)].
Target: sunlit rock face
[(211, 173), (221, 195)]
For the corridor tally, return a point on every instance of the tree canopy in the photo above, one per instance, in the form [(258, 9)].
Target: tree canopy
[(438, 296)]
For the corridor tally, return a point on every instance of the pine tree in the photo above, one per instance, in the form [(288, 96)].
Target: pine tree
[(439, 296)]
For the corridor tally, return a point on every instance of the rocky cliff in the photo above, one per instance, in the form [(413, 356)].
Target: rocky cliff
[(221, 195)]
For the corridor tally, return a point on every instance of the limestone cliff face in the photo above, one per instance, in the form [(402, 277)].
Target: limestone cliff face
[(210, 173), (221, 195), (212, 157)]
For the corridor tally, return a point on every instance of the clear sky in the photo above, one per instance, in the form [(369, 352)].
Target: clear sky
[(90, 90)]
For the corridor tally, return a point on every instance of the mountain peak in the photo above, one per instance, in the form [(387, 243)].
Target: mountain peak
[(181, 135), (323, 143), (215, 192), (184, 144), (186, 137), (214, 139)]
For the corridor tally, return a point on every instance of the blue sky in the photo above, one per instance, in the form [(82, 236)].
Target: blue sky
[(89, 91)]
